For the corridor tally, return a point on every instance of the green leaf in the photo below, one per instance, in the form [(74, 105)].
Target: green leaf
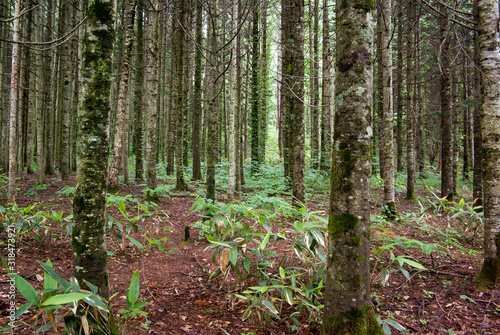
[(270, 306), (96, 301), (214, 241), (265, 241), (216, 274), (122, 208), (288, 296), (133, 290), (50, 270), (246, 264), (25, 288), (396, 325), (318, 237), (416, 265), (233, 255), (136, 243), (65, 298), (463, 296), (20, 311), (282, 273)]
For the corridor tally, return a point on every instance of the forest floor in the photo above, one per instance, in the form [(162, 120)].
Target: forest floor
[(440, 299)]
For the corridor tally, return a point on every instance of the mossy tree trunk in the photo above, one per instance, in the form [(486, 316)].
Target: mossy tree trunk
[(121, 126), (264, 91), (446, 113), (238, 112), (489, 47), (315, 109), (231, 109), (326, 94), (139, 96), (348, 308), (292, 18), (89, 202)]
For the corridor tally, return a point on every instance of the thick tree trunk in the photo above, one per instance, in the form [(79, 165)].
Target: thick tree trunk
[(89, 202), (348, 308), (489, 46), (121, 125)]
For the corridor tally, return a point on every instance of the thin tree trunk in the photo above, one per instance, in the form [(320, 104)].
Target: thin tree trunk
[(387, 172), (410, 113), (238, 112), (231, 108), (264, 59), (446, 112), (477, 179), (197, 108), (255, 110), (326, 143), (139, 97), (122, 108), (178, 91), (14, 102), (399, 90)]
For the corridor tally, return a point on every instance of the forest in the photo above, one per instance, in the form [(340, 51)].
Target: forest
[(250, 167)]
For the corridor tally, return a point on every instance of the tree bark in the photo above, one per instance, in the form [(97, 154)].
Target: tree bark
[(489, 46), (477, 179), (387, 172), (410, 112), (446, 112), (348, 308), (399, 91), (197, 108), (232, 107), (89, 202), (139, 97), (255, 109), (14, 101), (121, 125), (326, 143), (293, 68)]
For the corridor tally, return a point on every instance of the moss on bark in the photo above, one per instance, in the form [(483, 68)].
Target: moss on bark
[(355, 321)]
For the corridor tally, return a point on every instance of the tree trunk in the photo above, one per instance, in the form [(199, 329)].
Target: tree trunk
[(153, 108), (178, 91), (264, 59), (232, 107), (14, 101), (348, 308), (197, 108), (238, 113), (89, 202), (326, 143), (477, 180), (212, 117), (121, 125), (399, 91), (293, 72), (255, 111), (410, 113), (387, 171), (446, 113), (139, 97), (489, 47)]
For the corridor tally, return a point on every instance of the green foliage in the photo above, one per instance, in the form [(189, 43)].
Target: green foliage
[(247, 250), (133, 305), (24, 220), (67, 191), (61, 301), (160, 190)]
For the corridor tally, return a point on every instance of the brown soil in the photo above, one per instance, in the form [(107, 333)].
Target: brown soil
[(443, 299)]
